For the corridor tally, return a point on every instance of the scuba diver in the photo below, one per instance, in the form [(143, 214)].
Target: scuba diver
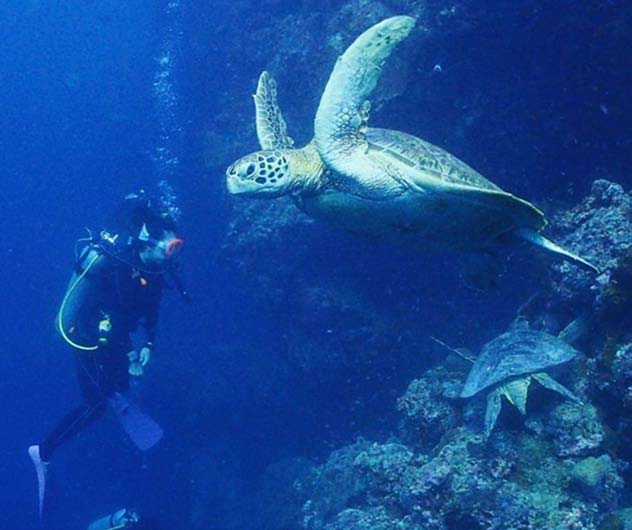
[(116, 288)]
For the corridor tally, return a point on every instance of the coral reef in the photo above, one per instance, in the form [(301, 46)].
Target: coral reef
[(620, 385), (574, 428), (598, 480), (373, 518), (426, 409), (599, 229), (513, 482)]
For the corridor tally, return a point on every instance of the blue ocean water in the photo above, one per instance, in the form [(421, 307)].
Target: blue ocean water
[(99, 98)]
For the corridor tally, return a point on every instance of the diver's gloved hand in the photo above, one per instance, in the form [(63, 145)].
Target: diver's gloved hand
[(145, 355), (135, 366)]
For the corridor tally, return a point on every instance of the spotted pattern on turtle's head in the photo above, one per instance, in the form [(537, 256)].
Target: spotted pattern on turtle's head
[(260, 173)]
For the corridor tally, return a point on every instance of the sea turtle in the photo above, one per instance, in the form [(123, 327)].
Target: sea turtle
[(380, 183), (508, 364)]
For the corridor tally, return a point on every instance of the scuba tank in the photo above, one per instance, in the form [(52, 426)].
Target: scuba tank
[(120, 520)]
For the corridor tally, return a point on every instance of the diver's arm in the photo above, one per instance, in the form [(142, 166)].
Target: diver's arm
[(150, 320), (149, 324)]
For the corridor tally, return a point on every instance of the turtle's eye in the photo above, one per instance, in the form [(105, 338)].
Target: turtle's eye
[(250, 170)]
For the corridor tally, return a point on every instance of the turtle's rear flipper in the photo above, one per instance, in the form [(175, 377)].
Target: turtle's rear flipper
[(492, 411), (539, 240), (548, 382)]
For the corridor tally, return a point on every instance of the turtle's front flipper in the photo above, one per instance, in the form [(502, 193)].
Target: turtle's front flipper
[(537, 239), (341, 119), (271, 127)]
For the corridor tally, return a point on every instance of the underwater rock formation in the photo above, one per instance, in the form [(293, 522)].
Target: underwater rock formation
[(575, 429), (363, 474), (597, 478), (515, 482), (620, 385), (599, 228), (428, 410), (369, 519)]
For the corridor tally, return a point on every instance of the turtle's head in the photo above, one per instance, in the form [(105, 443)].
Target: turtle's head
[(261, 174)]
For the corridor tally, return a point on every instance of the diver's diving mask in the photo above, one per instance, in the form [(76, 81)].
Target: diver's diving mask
[(159, 249)]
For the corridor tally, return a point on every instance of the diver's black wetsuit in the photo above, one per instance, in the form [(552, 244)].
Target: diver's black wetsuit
[(129, 297)]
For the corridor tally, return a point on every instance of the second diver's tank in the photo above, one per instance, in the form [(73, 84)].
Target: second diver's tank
[(122, 519)]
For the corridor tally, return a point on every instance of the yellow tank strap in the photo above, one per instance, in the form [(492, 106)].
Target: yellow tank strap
[(60, 324)]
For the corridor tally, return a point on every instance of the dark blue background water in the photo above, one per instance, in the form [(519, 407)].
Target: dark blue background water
[(79, 124)]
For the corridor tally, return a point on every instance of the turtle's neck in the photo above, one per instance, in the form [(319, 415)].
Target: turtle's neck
[(308, 169)]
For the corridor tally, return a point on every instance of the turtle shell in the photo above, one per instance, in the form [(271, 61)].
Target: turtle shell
[(517, 352)]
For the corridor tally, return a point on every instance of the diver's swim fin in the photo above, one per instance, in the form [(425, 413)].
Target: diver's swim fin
[(537, 239), (40, 469), (141, 428)]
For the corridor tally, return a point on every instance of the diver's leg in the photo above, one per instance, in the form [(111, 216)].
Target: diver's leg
[(91, 382), (70, 425), (90, 377)]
